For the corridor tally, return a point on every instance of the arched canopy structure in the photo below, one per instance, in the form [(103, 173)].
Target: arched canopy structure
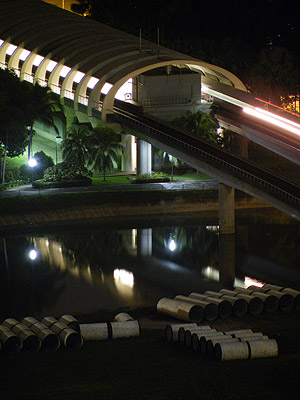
[(80, 58)]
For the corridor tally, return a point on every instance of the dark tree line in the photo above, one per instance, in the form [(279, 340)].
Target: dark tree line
[(258, 40)]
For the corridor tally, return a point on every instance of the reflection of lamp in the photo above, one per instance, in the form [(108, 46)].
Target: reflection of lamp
[(33, 254), (58, 140), (172, 166), (32, 163), (172, 245)]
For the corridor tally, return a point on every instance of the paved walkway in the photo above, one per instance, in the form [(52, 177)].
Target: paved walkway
[(175, 185)]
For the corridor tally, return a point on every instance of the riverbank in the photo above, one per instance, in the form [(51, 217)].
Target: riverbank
[(27, 210)]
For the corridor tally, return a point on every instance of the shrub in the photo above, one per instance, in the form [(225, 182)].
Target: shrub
[(152, 178), (66, 171)]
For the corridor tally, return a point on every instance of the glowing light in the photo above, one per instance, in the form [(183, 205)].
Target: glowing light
[(172, 245), (33, 254), (11, 49), (1, 42), (52, 64), (211, 273), (32, 162), (79, 75), (106, 88), (271, 118), (38, 59), (124, 277), (24, 55), (252, 282), (64, 71), (92, 82), (287, 121)]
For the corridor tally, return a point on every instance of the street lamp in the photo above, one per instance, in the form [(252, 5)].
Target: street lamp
[(32, 163), (172, 165), (58, 140)]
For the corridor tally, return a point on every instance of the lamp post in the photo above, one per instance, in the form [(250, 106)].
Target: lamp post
[(57, 142), (32, 163)]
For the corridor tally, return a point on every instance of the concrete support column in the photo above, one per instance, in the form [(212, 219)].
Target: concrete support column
[(129, 153), (144, 242), (226, 209), (144, 160), (243, 146)]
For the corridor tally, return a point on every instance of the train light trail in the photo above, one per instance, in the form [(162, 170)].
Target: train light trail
[(272, 119)]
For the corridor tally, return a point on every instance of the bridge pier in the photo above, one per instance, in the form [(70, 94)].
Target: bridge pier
[(144, 157), (226, 209)]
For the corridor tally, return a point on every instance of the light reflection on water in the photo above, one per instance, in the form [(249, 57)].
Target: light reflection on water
[(86, 270)]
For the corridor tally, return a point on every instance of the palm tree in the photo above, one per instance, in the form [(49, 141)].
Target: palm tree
[(75, 144), (103, 146), (40, 104)]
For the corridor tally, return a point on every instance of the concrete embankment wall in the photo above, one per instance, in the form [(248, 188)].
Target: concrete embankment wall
[(174, 207)]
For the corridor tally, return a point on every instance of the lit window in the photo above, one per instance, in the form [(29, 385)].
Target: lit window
[(11, 49), (106, 88), (24, 55), (38, 59), (65, 70), (52, 64), (79, 75), (92, 82)]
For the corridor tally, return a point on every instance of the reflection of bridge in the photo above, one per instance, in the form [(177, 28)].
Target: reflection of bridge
[(90, 65)]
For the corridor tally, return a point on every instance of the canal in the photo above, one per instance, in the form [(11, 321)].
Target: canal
[(88, 267)]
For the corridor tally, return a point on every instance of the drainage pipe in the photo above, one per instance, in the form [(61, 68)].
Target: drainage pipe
[(171, 331), (10, 323), (180, 310), (271, 303), (123, 317), (96, 331), (50, 341), (182, 332), (31, 342), (286, 300), (69, 337), (210, 310), (231, 351), (255, 304), (239, 306), (268, 286), (70, 321), (11, 343), (211, 343), (204, 338), (295, 294), (124, 329), (189, 332), (224, 306), (262, 348)]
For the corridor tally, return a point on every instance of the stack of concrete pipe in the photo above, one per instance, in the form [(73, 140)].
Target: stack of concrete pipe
[(123, 326), (31, 335), (230, 345), (209, 305)]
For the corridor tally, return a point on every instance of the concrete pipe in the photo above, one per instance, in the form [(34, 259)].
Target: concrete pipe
[(180, 310), (50, 341), (228, 292), (124, 329), (196, 336), (70, 321), (231, 351), (96, 331), (210, 310), (182, 331), (255, 304), (237, 332), (57, 327), (248, 335), (239, 306), (11, 343), (210, 293), (271, 303), (198, 296), (123, 317), (31, 342), (250, 338), (29, 321), (224, 306), (10, 323), (210, 344), (295, 294), (71, 339), (268, 286), (262, 348), (242, 290), (189, 332), (48, 321), (286, 300), (171, 331), (204, 338)]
